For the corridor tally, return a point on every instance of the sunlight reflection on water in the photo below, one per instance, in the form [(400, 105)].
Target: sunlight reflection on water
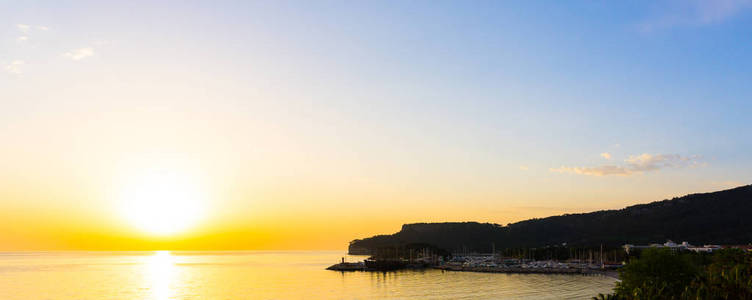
[(160, 271), (260, 275)]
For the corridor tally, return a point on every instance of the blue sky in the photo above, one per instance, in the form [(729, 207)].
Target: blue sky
[(529, 108)]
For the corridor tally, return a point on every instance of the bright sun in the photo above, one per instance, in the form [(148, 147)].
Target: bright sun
[(162, 203)]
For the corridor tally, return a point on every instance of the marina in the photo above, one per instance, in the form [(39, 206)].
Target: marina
[(485, 264)]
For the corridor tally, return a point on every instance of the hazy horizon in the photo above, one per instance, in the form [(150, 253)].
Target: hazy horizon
[(304, 125)]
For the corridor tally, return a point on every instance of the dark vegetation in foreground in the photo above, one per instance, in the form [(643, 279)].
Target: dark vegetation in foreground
[(660, 273), (710, 218)]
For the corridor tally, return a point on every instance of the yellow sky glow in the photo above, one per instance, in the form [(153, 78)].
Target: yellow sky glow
[(265, 125)]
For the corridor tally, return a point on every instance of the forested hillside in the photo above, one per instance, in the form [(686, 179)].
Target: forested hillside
[(723, 217)]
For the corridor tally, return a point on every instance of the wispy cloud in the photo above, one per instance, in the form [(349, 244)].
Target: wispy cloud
[(594, 171), (606, 155), (27, 30), (14, 67), (80, 53), (524, 168), (635, 164), (711, 11), (23, 28), (694, 13), (647, 162)]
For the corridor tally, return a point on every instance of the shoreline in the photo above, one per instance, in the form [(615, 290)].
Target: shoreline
[(352, 267), (567, 271)]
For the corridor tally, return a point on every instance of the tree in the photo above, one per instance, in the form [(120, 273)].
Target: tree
[(605, 297), (658, 274), (729, 276), (664, 274)]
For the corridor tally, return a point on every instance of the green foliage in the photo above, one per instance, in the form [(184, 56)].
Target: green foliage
[(658, 274), (605, 297), (662, 274), (728, 277)]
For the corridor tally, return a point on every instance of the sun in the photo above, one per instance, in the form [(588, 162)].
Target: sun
[(162, 202)]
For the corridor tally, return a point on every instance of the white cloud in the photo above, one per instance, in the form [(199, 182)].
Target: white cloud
[(606, 155), (524, 168), (635, 164), (79, 54), (14, 67), (26, 31), (23, 28)]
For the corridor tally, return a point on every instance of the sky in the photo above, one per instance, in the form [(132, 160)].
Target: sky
[(306, 124)]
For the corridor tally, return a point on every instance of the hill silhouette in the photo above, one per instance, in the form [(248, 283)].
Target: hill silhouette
[(723, 217)]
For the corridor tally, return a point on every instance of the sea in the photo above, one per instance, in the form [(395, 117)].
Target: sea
[(261, 275)]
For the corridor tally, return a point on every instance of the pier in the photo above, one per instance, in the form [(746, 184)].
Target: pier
[(348, 266)]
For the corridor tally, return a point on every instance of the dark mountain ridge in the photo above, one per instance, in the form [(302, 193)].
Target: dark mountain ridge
[(723, 217)]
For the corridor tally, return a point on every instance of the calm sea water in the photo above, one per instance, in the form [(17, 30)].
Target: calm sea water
[(260, 275)]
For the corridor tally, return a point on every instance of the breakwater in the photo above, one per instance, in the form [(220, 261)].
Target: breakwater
[(375, 267), (348, 266)]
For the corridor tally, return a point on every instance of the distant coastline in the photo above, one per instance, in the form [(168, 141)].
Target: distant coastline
[(714, 218)]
